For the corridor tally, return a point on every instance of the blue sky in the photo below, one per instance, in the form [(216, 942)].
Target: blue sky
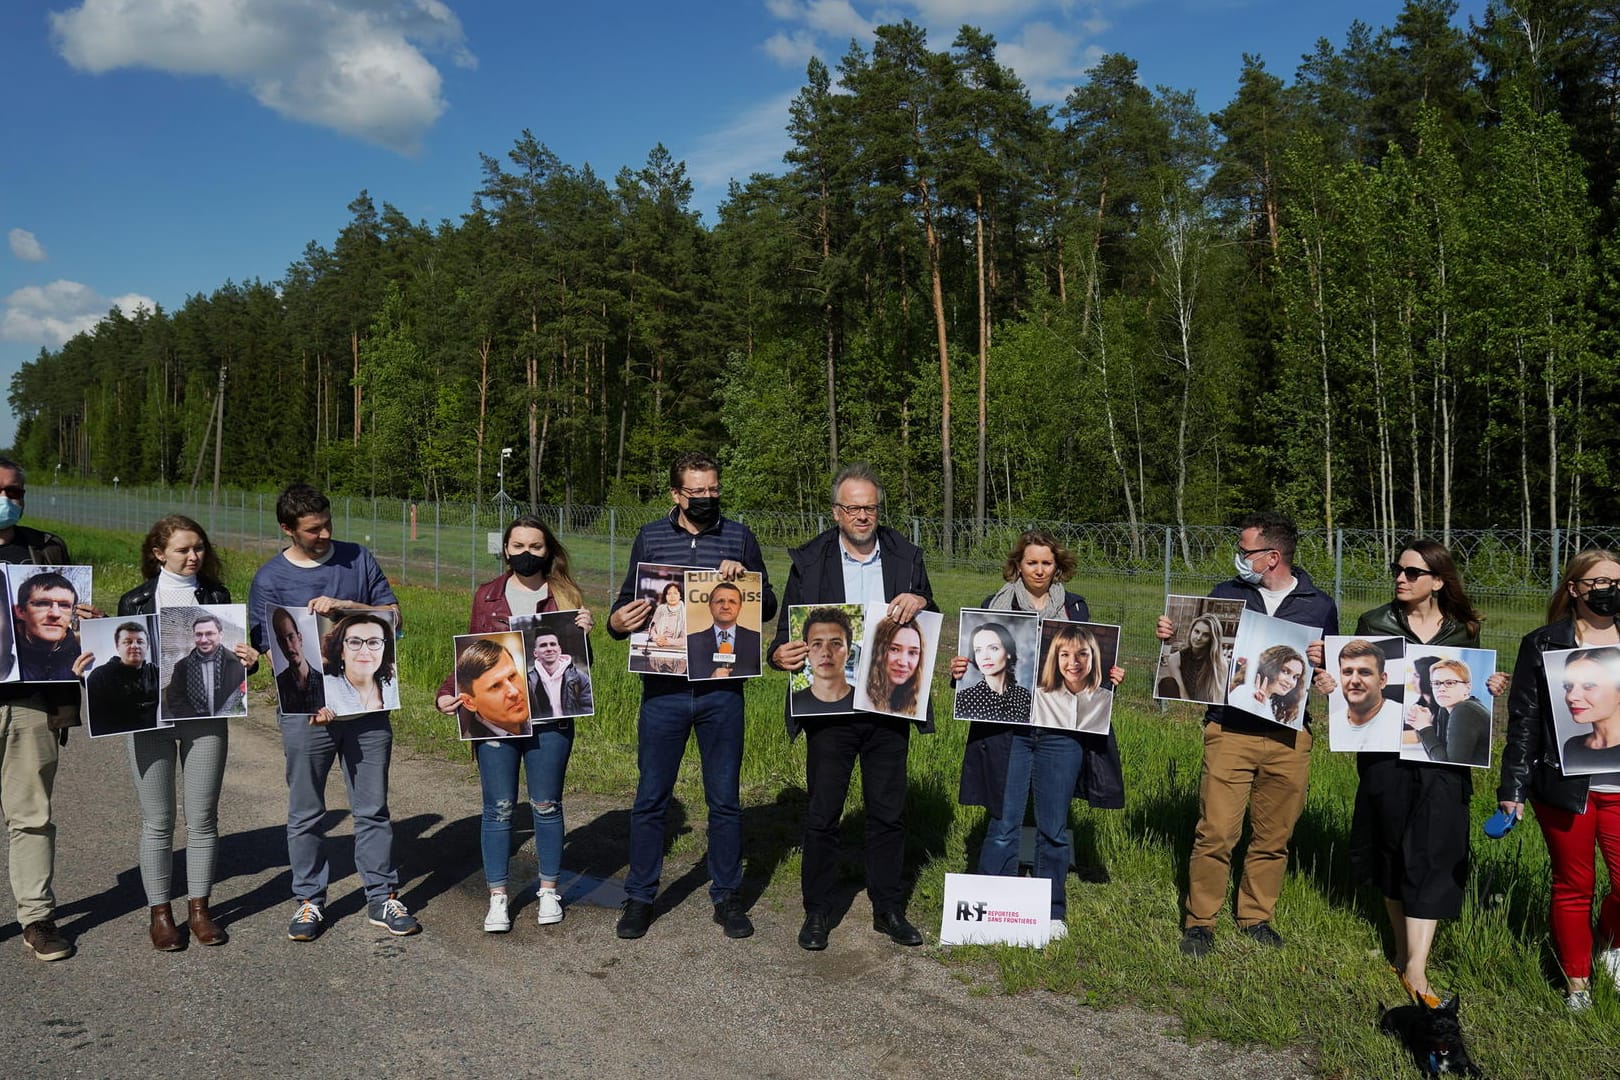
[(151, 149)]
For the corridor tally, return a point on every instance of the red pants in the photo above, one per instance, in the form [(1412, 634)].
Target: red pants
[(1570, 840)]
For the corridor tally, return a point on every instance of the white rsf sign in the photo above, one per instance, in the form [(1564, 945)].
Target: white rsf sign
[(984, 909)]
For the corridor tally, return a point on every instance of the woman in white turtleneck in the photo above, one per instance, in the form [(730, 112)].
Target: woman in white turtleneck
[(181, 568)]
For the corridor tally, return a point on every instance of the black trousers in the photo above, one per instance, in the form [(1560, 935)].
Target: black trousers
[(833, 745)]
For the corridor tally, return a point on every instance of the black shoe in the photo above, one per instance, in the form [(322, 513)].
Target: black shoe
[(813, 934), (894, 924), (733, 918), (1264, 934), (634, 919), (1196, 941)]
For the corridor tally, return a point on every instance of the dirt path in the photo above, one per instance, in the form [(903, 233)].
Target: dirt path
[(569, 1000)]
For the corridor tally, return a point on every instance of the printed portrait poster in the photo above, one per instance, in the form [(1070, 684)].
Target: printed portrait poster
[(491, 680), (1196, 663), (558, 666), (1072, 689), (198, 669), (723, 625), (826, 684), (359, 665), (1366, 706), (897, 663), (296, 662), (1271, 674), (1448, 707), (1001, 648), (121, 684), (659, 648), (43, 638), (1584, 688)]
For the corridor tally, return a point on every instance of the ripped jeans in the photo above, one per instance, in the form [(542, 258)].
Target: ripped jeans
[(544, 758)]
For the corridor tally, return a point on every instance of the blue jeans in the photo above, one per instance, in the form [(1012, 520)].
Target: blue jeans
[(666, 720), (1047, 761), (544, 758), (364, 745)]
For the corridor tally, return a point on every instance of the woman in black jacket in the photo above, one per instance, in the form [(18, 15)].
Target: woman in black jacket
[(1576, 813), (1004, 763), (1409, 830), (181, 568)]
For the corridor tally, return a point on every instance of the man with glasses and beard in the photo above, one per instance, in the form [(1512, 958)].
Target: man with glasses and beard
[(857, 561), (207, 681)]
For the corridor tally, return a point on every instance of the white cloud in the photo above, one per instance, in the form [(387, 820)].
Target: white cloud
[(754, 142), (1050, 61), (793, 49), (26, 246), (50, 314), (355, 66)]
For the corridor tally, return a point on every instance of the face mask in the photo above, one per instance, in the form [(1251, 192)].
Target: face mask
[(1604, 602), (704, 510), (528, 564), (10, 513), (1246, 573)]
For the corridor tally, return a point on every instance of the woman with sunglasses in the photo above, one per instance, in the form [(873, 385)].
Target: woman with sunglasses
[(1580, 813), (536, 580), (1409, 832)]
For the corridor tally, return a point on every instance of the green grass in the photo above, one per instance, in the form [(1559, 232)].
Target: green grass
[(1322, 992)]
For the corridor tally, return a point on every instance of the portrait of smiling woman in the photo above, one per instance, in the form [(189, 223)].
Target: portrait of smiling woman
[(359, 655)]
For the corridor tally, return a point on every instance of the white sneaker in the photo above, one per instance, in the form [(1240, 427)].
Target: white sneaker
[(1579, 997), (550, 907), (497, 921), (1609, 960), (1059, 931)]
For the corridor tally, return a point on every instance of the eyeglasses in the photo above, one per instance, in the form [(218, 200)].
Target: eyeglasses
[(1596, 582), (370, 644), (1410, 573), (1250, 552), (43, 604), (857, 511), (698, 493), (14, 492), (1447, 684)]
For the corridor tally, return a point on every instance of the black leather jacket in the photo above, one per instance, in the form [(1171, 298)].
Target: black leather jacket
[(142, 599), (1530, 759)]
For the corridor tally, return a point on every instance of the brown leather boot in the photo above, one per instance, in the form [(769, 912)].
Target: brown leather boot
[(204, 930), (165, 935)]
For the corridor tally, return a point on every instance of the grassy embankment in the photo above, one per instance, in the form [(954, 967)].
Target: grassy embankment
[(1321, 992)]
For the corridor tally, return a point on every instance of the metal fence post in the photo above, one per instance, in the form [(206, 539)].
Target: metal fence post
[(1338, 568), (1553, 570), (613, 541), (1169, 544), (404, 534), (435, 543), (472, 563)]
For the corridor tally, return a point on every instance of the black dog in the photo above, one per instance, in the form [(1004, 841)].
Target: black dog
[(1433, 1037)]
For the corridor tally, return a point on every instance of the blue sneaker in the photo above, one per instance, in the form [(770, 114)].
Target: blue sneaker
[(392, 916), (306, 922)]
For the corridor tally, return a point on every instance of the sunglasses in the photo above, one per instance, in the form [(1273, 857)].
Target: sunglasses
[(1410, 573), (14, 492)]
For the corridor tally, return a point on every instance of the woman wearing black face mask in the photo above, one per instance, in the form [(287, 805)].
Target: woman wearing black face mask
[(1579, 813), (536, 580)]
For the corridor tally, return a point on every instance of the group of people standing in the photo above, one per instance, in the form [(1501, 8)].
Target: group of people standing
[(1410, 831)]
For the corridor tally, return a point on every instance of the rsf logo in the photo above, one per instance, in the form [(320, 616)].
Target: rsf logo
[(971, 912)]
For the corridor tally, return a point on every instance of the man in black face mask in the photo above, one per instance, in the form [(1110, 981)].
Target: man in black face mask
[(695, 535)]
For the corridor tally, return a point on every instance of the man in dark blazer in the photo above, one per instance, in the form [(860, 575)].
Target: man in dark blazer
[(857, 561), (725, 649), (207, 681)]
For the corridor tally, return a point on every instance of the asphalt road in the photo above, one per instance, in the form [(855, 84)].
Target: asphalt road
[(569, 1000)]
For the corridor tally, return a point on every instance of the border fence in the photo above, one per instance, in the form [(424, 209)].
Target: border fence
[(1124, 570)]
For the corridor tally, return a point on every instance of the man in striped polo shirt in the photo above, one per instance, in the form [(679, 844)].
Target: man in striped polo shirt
[(694, 535)]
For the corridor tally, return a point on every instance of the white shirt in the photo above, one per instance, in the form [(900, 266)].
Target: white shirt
[(1382, 732)]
